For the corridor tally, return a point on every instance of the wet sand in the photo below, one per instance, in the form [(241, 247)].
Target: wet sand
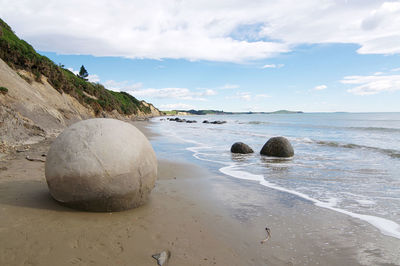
[(202, 217)]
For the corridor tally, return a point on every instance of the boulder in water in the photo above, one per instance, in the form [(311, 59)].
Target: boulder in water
[(240, 147), (277, 147), (101, 165)]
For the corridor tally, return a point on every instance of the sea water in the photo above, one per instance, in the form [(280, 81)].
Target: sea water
[(346, 162)]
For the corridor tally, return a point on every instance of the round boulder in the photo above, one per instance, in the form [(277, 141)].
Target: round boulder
[(240, 147), (277, 147), (101, 165)]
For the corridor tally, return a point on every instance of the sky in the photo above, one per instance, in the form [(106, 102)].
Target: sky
[(231, 55)]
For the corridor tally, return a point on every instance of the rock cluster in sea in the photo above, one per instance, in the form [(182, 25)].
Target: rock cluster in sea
[(218, 122), (101, 165), (274, 147), (179, 120)]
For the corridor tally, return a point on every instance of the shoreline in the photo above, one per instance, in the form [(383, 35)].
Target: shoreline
[(202, 217)]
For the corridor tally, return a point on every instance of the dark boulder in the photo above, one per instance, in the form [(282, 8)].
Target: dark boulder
[(218, 122), (177, 119), (240, 147), (277, 147)]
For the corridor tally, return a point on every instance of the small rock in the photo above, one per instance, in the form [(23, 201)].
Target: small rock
[(35, 159), (162, 258)]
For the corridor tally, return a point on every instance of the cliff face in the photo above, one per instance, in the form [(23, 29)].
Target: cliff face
[(40, 98), (32, 110)]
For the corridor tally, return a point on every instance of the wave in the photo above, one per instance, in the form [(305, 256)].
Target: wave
[(367, 129), (200, 151), (387, 227), (254, 122), (389, 152), (378, 129)]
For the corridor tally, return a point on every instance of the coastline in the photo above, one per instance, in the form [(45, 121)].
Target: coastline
[(202, 217)]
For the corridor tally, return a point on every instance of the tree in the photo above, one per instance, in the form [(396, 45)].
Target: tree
[(83, 74)]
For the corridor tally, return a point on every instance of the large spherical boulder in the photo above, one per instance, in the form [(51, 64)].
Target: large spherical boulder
[(277, 147), (101, 165), (240, 147)]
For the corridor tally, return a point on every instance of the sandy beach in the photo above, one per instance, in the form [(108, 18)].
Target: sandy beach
[(202, 217)]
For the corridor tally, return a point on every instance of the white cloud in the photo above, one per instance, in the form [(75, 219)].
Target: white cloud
[(176, 106), (273, 66), (76, 72), (209, 92), (369, 85), (94, 78), (241, 95), (224, 30), (122, 85), (263, 96), (229, 86), (245, 96), (320, 87), (395, 69), (269, 66), (173, 93), (91, 78)]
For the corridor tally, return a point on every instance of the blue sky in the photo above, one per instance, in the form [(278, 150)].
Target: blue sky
[(232, 55)]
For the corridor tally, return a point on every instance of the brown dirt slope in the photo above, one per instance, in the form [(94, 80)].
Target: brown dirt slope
[(32, 110)]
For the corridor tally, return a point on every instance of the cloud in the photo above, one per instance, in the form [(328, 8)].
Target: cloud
[(369, 85), (173, 93), (92, 78), (273, 66), (263, 96), (76, 72), (176, 106), (209, 92), (395, 69), (320, 87), (229, 87), (225, 30), (122, 85), (246, 96)]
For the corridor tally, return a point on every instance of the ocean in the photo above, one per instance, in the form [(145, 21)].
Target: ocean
[(345, 162)]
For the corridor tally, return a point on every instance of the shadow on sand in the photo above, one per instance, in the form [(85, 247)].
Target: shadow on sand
[(30, 194)]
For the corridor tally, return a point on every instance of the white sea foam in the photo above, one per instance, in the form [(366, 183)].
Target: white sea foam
[(206, 141), (366, 202), (387, 227)]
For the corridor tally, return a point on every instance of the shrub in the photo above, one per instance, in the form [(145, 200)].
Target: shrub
[(3, 90)]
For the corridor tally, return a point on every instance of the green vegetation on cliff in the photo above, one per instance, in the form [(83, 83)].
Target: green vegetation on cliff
[(18, 54), (3, 90)]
